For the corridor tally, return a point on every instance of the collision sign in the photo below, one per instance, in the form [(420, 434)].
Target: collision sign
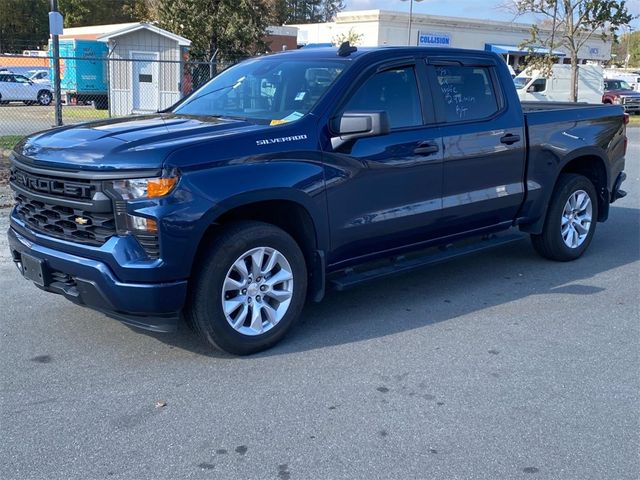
[(431, 39)]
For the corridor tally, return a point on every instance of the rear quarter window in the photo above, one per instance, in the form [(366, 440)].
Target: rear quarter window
[(465, 93)]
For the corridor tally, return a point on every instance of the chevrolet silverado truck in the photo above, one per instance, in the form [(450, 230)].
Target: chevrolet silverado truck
[(300, 171)]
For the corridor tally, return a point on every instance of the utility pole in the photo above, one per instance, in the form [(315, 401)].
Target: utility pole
[(410, 19), (55, 29)]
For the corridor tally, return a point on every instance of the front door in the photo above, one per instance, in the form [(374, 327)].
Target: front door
[(386, 192), (144, 85)]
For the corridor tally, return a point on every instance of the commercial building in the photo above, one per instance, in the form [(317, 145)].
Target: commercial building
[(381, 27)]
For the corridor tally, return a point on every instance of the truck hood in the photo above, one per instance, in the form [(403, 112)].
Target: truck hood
[(131, 143), (623, 93)]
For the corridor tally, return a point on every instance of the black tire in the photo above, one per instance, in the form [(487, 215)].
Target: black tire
[(550, 243), (45, 97), (101, 103), (204, 312)]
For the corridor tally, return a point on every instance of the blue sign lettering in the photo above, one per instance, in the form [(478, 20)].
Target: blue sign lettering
[(431, 39)]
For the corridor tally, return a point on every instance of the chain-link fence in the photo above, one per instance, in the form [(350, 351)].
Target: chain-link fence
[(93, 87)]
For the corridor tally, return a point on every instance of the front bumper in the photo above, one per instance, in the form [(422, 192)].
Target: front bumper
[(89, 282)]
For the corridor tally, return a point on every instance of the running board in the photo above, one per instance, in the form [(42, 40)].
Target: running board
[(406, 263)]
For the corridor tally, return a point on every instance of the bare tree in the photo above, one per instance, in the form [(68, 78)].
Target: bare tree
[(570, 24)]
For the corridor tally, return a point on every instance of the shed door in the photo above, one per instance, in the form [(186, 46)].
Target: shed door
[(145, 84)]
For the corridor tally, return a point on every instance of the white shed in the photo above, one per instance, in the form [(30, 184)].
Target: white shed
[(145, 68)]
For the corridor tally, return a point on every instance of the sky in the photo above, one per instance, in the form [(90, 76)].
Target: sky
[(483, 9)]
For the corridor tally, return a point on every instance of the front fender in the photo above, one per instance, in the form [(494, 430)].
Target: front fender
[(204, 196)]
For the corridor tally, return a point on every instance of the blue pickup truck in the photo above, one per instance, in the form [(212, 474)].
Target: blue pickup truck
[(295, 172)]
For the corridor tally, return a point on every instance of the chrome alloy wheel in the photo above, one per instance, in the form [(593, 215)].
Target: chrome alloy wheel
[(257, 291), (576, 219)]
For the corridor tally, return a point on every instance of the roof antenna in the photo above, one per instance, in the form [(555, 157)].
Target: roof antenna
[(345, 49)]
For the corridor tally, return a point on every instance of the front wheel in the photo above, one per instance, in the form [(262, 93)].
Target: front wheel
[(45, 98), (571, 219), (249, 290)]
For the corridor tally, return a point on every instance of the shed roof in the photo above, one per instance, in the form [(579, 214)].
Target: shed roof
[(91, 32), (129, 28), (107, 32)]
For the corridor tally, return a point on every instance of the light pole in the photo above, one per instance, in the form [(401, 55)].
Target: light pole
[(626, 58), (410, 18)]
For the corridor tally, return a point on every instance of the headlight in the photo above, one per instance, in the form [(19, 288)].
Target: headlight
[(617, 100), (144, 187)]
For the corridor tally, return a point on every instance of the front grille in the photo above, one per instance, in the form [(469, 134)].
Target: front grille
[(65, 222), (48, 185), (632, 101), (75, 210)]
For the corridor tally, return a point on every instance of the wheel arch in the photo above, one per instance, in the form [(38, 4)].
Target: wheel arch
[(590, 163), (292, 211), (592, 166)]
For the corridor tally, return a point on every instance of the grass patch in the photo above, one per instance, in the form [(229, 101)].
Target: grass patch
[(72, 114), (9, 141), (634, 120)]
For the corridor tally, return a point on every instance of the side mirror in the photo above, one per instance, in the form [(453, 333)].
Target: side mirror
[(531, 89), (353, 125)]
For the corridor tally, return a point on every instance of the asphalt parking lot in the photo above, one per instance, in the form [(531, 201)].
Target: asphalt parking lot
[(497, 366)]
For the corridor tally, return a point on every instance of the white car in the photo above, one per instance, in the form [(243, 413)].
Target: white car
[(18, 88)]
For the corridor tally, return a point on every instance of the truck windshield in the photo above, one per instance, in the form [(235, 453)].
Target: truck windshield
[(265, 90), (521, 82), (617, 85)]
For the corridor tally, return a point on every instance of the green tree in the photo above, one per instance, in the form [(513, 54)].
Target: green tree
[(628, 44), (24, 25), (351, 36), (304, 11), (80, 13), (573, 23), (226, 30)]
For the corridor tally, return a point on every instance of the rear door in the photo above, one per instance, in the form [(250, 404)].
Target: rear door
[(7, 87), (385, 192), (24, 89), (484, 145)]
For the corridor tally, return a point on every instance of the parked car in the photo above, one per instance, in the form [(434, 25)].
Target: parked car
[(266, 186), (534, 86), (15, 87), (620, 92)]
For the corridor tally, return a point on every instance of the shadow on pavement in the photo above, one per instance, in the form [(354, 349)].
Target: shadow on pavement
[(447, 291)]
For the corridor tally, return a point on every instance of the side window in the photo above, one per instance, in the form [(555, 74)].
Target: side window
[(467, 93), (394, 91), (539, 85)]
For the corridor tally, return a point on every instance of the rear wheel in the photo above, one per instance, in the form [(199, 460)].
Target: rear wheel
[(571, 219), (249, 290)]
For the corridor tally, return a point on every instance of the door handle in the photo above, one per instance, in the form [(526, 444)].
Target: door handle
[(426, 148), (510, 138)]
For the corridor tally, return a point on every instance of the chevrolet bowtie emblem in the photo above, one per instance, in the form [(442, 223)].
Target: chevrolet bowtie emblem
[(81, 220)]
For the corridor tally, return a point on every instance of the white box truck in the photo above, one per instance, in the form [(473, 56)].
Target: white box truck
[(533, 86)]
